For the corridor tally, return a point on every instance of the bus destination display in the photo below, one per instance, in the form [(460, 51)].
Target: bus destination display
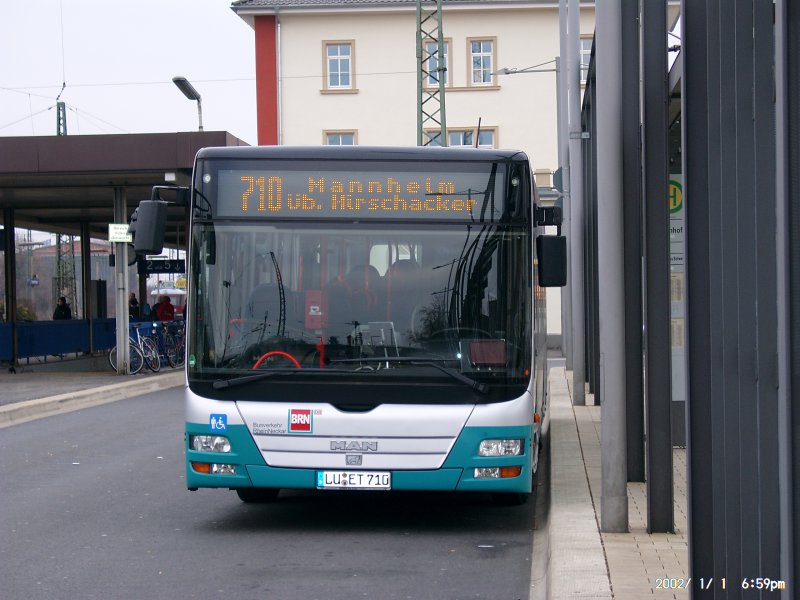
[(361, 195)]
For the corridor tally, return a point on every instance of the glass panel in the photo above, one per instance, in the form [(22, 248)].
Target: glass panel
[(586, 55), (458, 191), (338, 65), (340, 139), (482, 60), (461, 139), (431, 50), (434, 139), (355, 301), (486, 139), (49, 266)]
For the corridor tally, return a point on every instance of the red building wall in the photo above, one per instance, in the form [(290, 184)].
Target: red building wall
[(266, 80)]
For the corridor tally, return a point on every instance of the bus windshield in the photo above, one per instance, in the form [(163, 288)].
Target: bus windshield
[(381, 304)]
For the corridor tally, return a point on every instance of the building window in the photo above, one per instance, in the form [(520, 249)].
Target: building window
[(431, 51), (339, 138), (586, 57), (339, 65), (465, 138), (481, 61)]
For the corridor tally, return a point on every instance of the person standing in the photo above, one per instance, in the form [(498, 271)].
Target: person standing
[(133, 307), (62, 311), (165, 310)]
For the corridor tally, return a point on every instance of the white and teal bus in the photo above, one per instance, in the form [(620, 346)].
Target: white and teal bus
[(364, 319)]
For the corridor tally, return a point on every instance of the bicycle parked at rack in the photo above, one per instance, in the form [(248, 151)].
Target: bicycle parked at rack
[(174, 341), (143, 351)]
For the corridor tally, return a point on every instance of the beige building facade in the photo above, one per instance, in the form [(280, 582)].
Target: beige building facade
[(346, 72)]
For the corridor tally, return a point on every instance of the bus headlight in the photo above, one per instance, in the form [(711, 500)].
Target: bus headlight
[(209, 443), (214, 468), (497, 472), (500, 448)]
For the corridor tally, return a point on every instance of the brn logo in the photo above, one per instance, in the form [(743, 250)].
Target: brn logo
[(299, 420)]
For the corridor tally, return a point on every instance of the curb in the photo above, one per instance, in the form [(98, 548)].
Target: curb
[(577, 566), (28, 410)]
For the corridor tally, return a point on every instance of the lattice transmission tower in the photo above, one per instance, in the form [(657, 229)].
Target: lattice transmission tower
[(431, 74)]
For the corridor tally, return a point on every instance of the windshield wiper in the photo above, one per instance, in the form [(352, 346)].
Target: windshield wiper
[(220, 384), (427, 362)]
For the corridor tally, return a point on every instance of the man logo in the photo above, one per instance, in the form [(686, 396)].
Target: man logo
[(353, 446), (299, 421)]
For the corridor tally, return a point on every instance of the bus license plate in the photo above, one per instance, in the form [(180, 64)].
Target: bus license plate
[(354, 480)]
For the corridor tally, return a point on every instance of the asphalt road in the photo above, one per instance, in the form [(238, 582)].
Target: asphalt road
[(94, 505)]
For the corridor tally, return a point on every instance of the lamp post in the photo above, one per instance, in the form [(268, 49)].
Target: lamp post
[(192, 94)]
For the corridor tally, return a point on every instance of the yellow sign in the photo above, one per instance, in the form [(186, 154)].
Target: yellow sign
[(675, 196)]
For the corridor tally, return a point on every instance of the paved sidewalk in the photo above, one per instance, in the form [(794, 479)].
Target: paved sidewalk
[(584, 562), (36, 391)]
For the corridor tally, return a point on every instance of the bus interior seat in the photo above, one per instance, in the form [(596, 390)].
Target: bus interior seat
[(264, 306), (368, 296), (405, 283)]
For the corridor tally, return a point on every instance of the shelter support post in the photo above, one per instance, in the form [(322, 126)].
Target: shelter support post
[(611, 297), (121, 280)]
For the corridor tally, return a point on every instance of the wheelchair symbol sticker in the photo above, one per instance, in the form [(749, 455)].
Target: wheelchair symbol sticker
[(218, 423)]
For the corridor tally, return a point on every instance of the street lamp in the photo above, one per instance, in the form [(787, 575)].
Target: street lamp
[(192, 94)]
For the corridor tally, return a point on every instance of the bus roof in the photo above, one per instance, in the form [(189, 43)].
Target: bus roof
[(394, 153)]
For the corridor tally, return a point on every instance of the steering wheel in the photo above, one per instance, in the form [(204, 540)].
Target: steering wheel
[(272, 353)]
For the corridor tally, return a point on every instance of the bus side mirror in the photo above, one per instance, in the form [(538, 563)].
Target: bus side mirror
[(551, 250), (148, 225)]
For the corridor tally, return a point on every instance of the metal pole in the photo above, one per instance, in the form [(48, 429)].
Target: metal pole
[(420, 74), (563, 162), (787, 132), (655, 97), (611, 295), (121, 278), (86, 281), (199, 115), (632, 226), (11, 282), (576, 205), (782, 245), (700, 419)]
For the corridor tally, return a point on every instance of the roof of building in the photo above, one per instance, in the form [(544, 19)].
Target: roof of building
[(349, 4), (57, 183)]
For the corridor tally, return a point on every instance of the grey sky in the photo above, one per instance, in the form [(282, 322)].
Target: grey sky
[(118, 60)]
